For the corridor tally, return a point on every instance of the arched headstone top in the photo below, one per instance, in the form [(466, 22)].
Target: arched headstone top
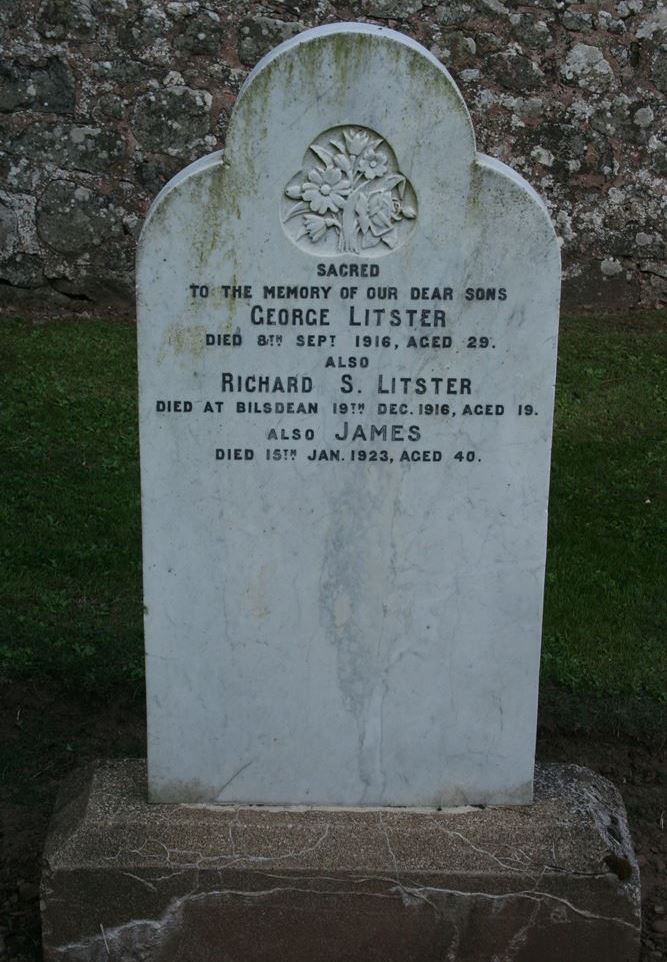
[(353, 70)]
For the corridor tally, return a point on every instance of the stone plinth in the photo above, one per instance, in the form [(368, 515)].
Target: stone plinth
[(553, 881)]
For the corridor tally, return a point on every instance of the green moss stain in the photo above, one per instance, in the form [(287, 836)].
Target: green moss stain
[(183, 339), (474, 199), (208, 197)]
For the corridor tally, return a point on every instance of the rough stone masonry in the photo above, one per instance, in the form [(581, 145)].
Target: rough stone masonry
[(102, 101)]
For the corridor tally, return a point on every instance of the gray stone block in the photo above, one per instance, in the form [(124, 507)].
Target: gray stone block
[(552, 881)]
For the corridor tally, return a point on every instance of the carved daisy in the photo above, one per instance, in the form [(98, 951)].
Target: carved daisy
[(373, 163), (325, 189)]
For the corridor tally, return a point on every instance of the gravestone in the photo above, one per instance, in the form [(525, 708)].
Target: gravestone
[(347, 346), (347, 349), (347, 342)]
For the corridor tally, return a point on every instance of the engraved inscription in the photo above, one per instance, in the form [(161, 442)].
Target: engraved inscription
[(349, 197)]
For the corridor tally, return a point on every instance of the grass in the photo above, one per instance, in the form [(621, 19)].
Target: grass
[(70, 589), (70, 592), (605, 605)]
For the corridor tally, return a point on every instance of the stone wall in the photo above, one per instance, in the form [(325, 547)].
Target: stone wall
[(102, 101)]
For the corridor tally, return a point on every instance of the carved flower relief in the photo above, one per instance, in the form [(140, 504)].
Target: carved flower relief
[(356, 142), (353, 200), (324, 190), (373, 163)]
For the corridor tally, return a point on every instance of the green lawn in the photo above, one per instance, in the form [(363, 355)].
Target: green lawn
[(605, 604), (70, 514), (70, 586)]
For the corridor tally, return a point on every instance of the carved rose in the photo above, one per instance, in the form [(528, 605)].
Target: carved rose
[(351, 190)]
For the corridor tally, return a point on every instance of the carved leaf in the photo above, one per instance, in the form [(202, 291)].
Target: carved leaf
[(374, 202), (361, 208), (344, 162), (294, 193), (408, 212), (379, 229), (379, 207), (389, 239), (297, 209), (324, 155), (391, 180)]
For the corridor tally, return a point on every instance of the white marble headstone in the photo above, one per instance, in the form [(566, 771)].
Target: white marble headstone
[(347, 348)]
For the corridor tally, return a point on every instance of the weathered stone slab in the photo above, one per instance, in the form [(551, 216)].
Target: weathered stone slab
[(554, 881), (347, 360)]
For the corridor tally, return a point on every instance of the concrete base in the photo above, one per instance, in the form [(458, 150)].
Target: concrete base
[(125, 880)]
